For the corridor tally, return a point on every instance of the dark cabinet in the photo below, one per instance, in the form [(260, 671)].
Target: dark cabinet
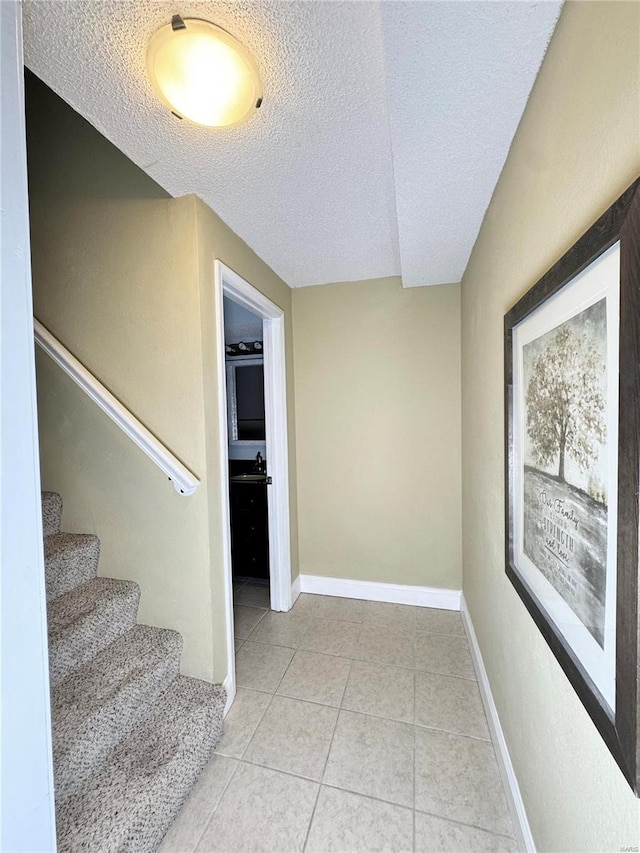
[(249, 530)]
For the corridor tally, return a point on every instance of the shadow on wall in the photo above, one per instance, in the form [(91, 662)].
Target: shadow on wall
[(98, 169)]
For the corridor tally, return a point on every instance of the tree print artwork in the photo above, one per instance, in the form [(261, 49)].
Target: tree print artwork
[(565, 406), (565, 449), (572, 468)]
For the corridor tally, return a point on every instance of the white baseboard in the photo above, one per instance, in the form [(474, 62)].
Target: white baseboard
[(420, 596), (510, 782), (295, 590)]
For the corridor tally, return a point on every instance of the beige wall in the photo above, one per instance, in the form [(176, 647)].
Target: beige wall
[(377, 378), (216, 241), (115, 304), (123, 276), (577, 148)]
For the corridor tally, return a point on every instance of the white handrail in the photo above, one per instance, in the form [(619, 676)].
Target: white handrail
[(183, 480)]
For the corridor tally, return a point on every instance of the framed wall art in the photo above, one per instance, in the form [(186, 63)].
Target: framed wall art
[(572, 411)]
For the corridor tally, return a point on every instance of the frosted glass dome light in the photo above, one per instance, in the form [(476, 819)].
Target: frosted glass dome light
[(203, 74)]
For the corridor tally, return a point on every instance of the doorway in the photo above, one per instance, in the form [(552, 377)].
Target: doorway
[(248, 472), (275, 461)]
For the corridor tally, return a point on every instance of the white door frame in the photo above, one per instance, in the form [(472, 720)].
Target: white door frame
[(27, 817), (230, 284)]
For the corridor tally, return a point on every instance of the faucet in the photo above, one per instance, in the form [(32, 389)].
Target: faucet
[(259, 464)]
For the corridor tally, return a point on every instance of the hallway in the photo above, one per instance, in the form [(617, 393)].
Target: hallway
[(357, 726)]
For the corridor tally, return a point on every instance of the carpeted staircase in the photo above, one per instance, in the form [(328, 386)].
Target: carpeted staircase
[(130, 734)]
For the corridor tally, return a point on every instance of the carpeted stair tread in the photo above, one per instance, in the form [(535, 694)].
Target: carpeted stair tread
[(128, 805), (51, 513), (86, 619), (130, 735), (70, 559), (98, 704)]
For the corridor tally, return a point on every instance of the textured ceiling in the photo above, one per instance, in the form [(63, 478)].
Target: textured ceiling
[(381, 137), (458, 78)]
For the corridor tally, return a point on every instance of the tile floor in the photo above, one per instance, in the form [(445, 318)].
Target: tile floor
[(357, 726)]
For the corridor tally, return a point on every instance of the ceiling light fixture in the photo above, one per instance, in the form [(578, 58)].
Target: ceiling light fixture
[(203, 74)]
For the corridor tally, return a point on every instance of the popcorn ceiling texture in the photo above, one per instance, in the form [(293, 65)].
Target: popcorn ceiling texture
[(130, 735), (365, 105), (452, 118)]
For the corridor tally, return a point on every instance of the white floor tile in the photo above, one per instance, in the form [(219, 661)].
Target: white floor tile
[(316, 678), (242, 721), (349, 822), (261, 667), (458, 778), (354, 714), (386, 691), (261, 811), (372, 756), (293, 736)]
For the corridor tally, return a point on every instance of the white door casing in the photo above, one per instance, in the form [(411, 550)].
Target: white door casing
[(230, 284)]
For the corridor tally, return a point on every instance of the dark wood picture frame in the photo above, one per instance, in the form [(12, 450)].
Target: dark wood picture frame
[(619, 729)]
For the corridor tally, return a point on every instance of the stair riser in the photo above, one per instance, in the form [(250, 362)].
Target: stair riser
[(96, 735), (51, 513), (87, 635), (70, 560), (130, 735), (129, 805)]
